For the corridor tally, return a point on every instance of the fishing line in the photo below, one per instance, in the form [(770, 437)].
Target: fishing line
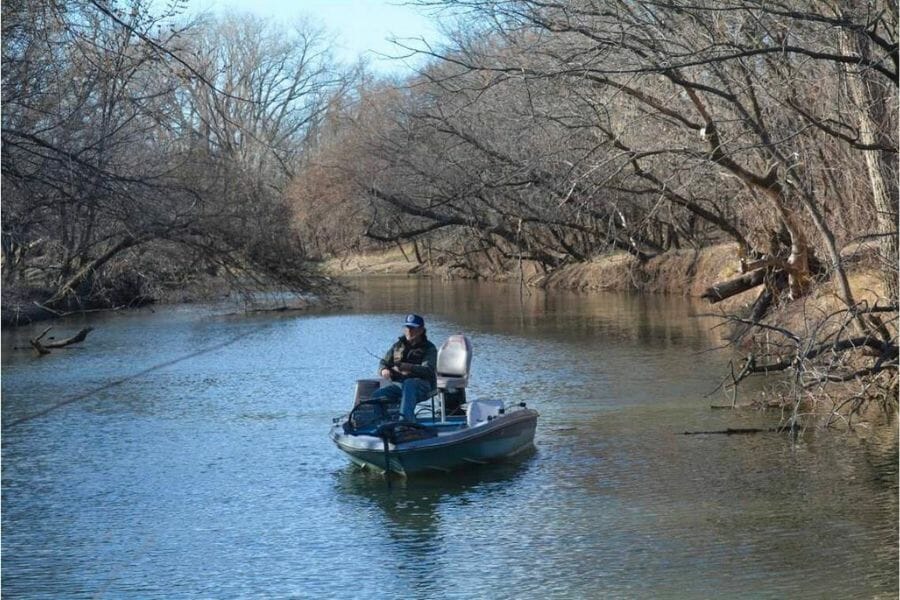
[(117, 382)]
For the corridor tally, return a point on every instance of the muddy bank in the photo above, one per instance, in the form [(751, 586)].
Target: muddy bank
[(682, 273), (23, 306)]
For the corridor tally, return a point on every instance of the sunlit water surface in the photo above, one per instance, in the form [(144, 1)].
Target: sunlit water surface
[(184, 453)]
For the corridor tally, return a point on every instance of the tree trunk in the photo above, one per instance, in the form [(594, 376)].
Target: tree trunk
[(798, 262), (732, 287), (69, 285), (870, 113)]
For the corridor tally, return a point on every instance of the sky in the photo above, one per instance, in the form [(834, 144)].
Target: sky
[(361, 27)]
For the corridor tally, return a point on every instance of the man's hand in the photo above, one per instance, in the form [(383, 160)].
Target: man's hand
[(386, 373)]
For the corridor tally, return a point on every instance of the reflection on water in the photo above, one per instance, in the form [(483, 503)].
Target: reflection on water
[(410, 511), (419, 524), (612, 318), (194, 467)]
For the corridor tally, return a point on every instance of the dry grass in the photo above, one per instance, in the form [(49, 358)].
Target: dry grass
[(682, 273), (383, 262), (614, 272)]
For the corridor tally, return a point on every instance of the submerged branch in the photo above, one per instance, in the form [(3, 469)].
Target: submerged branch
[(44, 348)]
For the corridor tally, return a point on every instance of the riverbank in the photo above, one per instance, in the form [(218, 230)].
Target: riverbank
[(682, 272), (23, 307)]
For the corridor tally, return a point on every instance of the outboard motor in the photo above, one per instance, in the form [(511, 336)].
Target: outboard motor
[(453, 364)]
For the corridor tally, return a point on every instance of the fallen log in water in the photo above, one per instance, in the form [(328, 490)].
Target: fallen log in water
[(738, 431), (732, 287), (44, 348)]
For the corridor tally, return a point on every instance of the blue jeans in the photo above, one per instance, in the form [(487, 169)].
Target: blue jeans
[(410, 392)]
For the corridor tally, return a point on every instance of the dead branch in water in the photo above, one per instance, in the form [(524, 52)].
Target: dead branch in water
[(44, 348), (832, 361), (739, 431)]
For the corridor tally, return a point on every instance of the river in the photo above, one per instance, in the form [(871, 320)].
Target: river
[(183, 453)]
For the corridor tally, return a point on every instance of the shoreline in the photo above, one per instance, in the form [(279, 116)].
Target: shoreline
[(686, 273)]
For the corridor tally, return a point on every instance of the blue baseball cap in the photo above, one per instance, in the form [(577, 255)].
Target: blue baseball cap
[(414, 321)]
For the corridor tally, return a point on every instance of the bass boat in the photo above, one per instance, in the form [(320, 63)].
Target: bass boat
[(449, 434)]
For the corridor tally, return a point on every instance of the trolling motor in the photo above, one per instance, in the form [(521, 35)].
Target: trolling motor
[(397, 432)]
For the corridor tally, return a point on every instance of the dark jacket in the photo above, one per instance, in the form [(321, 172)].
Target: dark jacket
[(423, 355)]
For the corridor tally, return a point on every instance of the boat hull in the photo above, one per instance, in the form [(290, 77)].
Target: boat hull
[(501, 438)]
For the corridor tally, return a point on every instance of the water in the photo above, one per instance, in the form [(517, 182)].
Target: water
[(183, 453)]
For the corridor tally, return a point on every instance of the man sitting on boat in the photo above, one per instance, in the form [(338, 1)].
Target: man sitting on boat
[(410, 365)]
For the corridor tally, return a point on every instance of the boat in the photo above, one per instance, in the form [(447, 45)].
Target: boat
[(449, 433)]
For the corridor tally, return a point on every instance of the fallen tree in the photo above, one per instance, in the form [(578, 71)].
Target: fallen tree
[(830, 361), (732, 287)]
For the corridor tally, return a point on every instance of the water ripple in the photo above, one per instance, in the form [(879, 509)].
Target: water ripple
[(214, 477)]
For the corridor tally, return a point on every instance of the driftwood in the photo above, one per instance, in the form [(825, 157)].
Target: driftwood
[(44, 348), (740, 431), (274, 309), (752, 265), (754, 273), (732, 287)]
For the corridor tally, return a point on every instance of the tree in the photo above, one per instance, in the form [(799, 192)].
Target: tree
[(126, 140), (557, 130), (735, 89)]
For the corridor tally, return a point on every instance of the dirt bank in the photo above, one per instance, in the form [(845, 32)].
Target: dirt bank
[(681, 273), (395, 261)]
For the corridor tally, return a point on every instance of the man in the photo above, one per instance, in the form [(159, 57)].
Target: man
[(410, 365)]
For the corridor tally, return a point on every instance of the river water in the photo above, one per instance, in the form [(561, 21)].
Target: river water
[(183, 453)]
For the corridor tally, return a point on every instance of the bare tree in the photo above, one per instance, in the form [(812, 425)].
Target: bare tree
[(738, 87), (559, 130), (123, 132)]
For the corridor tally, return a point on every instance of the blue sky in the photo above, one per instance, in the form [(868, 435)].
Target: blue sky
[(360, 27)]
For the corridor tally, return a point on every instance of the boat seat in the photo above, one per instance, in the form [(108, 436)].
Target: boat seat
[(453, 363), (451, 383)]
